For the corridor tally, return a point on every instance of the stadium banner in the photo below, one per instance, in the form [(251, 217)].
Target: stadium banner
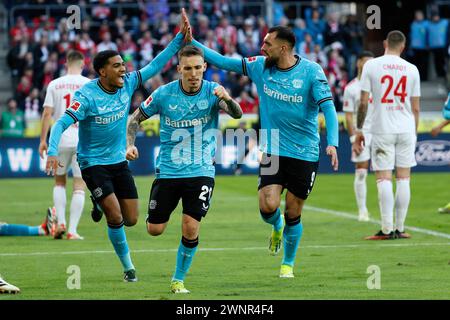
[(19, 157)]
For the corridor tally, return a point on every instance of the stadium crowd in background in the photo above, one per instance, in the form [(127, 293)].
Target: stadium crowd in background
[(39, 43)]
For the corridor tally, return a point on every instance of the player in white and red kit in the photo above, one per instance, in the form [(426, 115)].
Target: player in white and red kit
[(352, 94), (58, 98), (395, 87)]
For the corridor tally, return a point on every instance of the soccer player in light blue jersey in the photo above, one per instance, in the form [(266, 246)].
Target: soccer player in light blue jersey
[(189, 112), (101, 107), (291, 90)]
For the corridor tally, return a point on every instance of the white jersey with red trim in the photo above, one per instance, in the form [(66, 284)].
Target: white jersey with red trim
[(392, 82), (59, 97), (352, 97)]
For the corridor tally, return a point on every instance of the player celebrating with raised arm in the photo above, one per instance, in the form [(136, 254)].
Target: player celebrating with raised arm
[(57, 99), (352, 93), (101, 107), (291, 91), (189, 112), (395, 87)]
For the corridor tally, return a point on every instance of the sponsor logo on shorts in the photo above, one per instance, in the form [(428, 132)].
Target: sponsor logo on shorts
[(98, 192), (152, 204), (205, 206)]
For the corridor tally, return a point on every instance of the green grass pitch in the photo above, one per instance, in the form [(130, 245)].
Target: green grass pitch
[(233, 261)]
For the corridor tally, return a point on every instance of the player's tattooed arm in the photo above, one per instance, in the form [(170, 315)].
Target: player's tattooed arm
[(133, 126), (362, 109), (228, 104), (231, 107)]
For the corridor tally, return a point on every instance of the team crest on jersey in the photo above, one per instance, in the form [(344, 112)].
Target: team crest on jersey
[(297, 83), (148, 101), (202, 104), (152, 204), (251, 59), (74, 106)]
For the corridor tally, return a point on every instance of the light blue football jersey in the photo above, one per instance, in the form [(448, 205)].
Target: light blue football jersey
[(289, 101), (189, 123), (102, 117)]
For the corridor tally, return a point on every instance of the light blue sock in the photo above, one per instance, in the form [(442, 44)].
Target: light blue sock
[(292, 234), (185, 255), (118, 239), (18, 230), (275, 219)]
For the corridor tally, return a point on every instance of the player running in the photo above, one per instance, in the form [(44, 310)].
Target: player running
[(101, 107), (189, 111), (395, 87), (352, 93), (57, 99), (291, 91)]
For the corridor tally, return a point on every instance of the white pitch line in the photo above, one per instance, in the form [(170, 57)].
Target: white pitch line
[(384, 245), (349, 215)]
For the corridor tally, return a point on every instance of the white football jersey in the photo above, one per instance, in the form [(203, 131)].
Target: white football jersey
[(392, 82), (59, 97), (352, 97)]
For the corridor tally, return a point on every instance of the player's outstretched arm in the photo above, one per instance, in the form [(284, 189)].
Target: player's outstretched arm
[(220, 61), (228, 104), (132, 128), (55, 136), (157, 64)]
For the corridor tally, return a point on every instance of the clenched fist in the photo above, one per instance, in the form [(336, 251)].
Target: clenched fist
[(222, 93), (132, 153)]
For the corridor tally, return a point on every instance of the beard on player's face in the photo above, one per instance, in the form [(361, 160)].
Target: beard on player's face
[(270, 62)]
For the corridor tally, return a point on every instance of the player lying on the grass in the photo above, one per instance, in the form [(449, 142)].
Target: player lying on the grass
[(352, 93), (6, 287), (188, 108), (58, 98), (291, 92), (101, 107), (46, 228)]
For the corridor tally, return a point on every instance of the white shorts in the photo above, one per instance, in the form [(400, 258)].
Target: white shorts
[(393, 150), (365, 154), (68, 159)]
